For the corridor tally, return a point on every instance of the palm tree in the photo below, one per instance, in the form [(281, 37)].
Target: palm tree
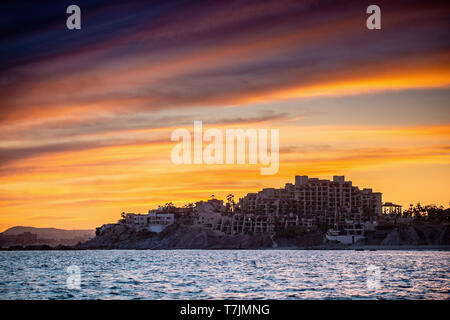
[(169, 206), (230, 202)]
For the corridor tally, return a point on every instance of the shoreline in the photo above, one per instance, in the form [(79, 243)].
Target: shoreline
[(308, 248), (373, 248)]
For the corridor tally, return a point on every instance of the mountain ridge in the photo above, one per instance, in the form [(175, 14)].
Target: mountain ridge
[(48, 232)]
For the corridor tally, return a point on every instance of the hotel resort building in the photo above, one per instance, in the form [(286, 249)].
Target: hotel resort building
[(309, 203), (154, 221)]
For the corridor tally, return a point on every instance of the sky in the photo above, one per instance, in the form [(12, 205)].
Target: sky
[(86, 115)]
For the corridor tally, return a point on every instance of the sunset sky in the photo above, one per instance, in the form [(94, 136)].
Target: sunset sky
[(86, 115)]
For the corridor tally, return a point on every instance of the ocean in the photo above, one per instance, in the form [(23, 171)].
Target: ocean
[(224, 274)]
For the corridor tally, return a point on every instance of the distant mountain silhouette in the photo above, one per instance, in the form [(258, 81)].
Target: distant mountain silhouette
[(50, 233)]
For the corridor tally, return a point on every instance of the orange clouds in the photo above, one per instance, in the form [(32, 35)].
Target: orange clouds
[(105, 181), (86, 118)]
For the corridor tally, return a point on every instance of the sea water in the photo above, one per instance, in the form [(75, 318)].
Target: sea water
[(224, 274)]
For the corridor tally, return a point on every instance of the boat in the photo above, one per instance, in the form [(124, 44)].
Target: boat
[(348, 233)]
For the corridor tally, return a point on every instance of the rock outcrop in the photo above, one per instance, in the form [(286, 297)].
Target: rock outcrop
[(174, 237), (392, 239), (183, 236), (424, 234)]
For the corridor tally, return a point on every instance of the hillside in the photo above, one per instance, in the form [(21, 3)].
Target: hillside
[(50, 233)]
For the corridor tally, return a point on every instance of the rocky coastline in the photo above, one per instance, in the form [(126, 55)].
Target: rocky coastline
[(181, 236)]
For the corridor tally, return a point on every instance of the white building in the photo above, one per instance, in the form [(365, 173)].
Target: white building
[(158, 221), (209, 213), (153, 221)]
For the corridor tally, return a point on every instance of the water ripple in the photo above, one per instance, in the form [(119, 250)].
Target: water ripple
[(225, 274)]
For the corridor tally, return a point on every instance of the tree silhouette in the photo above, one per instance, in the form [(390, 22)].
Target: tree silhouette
[(169, 206), (230, 203)]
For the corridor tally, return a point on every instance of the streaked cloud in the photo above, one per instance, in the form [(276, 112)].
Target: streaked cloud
[(86, 117)]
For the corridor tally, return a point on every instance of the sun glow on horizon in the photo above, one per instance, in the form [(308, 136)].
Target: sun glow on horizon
[(86, 117)]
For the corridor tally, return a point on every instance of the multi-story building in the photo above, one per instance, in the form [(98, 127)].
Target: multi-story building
[(153, 221), (310, 203), (312, 199), (209, 213), (136, 219)]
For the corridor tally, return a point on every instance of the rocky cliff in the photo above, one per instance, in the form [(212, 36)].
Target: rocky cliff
[(425, 234), (180, 236), (174, 237)]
